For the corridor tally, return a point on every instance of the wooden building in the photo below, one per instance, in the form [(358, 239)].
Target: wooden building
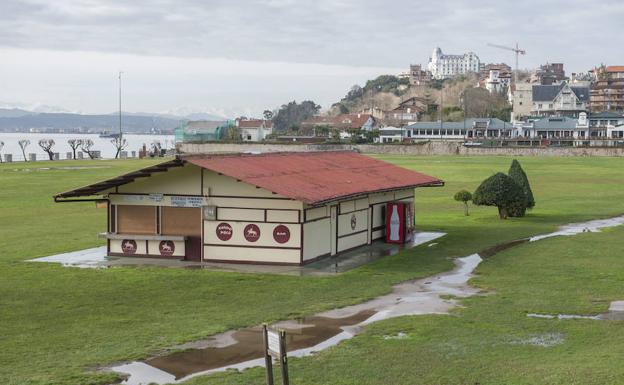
[(277, 208)]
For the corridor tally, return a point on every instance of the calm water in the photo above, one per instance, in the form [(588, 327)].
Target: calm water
[(104, 145)]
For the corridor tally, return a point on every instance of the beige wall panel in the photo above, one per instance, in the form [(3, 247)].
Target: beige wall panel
[(378, 234), (228, 214), (265, 239), (153, 248), (403, 194), (215, 184), (282, 216), (317, 212), (316, 239), (255, 203), (378, 215), (352, 241), (347, 207), (361, 204), (251, 254), (115, 247), (377, 198), (344, 222), (178, 180)]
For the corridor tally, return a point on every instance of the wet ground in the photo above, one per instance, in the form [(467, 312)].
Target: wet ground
[(97, 258), (243, 348)]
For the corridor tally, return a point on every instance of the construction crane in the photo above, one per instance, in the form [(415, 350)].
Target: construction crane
[(515, 49)]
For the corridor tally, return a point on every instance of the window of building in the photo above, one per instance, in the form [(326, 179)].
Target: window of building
[(136, 219)]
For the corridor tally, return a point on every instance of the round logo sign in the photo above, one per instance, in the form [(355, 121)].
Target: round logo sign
[(353, 222), (224, 231), (281, 234), (166, 248), (252, 233), (128, 246)]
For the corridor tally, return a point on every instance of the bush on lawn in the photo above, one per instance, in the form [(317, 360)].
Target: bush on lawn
[(501, 191)]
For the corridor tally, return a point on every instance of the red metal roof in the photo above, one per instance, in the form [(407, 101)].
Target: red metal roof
[(314, 177)]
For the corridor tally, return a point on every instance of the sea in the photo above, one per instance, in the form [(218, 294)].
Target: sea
[(104, 145)]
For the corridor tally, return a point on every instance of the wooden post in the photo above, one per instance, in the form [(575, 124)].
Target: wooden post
[(284, 358), (268, 360)]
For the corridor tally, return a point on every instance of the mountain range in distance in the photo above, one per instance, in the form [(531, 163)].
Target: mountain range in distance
[(20, 120)]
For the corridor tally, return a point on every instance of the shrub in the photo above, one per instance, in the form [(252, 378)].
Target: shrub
[(501, 191), (463, 196), (518, 175)]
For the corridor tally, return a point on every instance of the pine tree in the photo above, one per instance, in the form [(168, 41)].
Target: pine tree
[(518, 175)]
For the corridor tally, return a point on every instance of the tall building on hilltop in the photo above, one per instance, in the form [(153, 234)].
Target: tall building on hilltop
[(444, 66)]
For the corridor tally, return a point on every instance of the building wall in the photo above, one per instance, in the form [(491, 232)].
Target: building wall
[(358, 222)]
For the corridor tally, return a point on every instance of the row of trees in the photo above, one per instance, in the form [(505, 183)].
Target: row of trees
[(511, 193), (85, 145)]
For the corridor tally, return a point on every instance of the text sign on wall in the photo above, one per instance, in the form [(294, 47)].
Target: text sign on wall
[(180, 201)]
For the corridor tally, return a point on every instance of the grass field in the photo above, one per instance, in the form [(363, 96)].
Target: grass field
[(58, 324)]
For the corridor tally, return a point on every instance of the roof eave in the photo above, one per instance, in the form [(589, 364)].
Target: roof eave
[(438, 183)]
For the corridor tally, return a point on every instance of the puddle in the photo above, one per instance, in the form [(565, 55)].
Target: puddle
[(615, 313), (88, 258), (583, 227), (544, 340), (243, 348)]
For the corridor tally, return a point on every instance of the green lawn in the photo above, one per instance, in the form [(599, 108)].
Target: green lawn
[(58, 324)]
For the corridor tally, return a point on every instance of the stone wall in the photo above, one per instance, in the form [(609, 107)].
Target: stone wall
[(428, 148)]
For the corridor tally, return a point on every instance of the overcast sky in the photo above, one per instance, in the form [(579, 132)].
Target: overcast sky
[(240, 57)]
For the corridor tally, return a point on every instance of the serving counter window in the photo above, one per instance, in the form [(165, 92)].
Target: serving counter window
[(136, 219), (180, 221)]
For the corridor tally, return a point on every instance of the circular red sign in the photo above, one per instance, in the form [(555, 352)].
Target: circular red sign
[(166, 248), (251, 233), (224, 231), (128, 246), (281, 234)]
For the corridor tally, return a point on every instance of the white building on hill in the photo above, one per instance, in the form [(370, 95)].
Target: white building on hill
[(444, 66)]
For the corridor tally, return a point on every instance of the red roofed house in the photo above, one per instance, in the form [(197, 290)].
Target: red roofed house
[(276, 208)]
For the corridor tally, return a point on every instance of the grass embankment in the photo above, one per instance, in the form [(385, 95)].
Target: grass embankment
[(56, 323)]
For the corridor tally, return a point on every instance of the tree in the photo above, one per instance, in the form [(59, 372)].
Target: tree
[(501, 191), (46, 145), (23, 143), (519, 176), (268, 114), (120, 144), (85, 146), (233, 134), (1, 146), (465, 197), (74, 144), (155, 149), (292, 114)]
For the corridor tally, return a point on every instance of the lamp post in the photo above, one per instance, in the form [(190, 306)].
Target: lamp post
[(120, 133)]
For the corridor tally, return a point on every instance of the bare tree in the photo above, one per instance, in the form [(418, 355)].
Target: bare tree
[(155, 149), (74, 144), (23, 143), (85, 146), (46, 145), (120, 144)]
